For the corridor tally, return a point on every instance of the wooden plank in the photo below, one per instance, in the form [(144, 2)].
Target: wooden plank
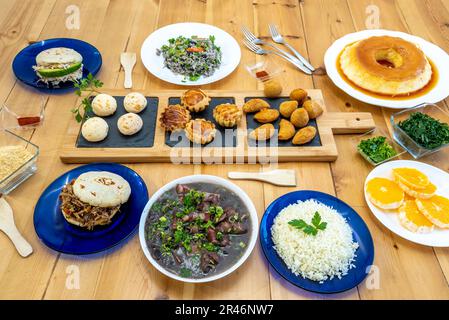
[(115, 26), (25, 281), (428, 19), (408, 252), (328, 124), (253, 275), (17, 275), (313, 176)]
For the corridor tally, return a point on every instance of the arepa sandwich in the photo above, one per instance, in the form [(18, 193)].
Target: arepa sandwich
[(57, 65), (94, 198)]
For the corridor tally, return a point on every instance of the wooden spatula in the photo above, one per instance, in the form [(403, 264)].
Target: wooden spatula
[(128, 60), (8, 226), (285, 178)]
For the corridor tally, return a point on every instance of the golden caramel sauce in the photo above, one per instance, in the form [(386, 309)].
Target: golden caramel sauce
[(429, 87)]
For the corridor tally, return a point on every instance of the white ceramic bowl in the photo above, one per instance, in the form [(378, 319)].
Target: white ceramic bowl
[(254, 221)]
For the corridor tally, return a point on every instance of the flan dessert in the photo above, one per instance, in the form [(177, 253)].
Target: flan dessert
[(386, 65)]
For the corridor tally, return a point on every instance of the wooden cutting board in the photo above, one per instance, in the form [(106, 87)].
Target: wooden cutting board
[(328, 124)]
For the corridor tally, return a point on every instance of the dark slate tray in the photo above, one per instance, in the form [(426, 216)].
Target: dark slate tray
[(143, 139), (178, 138), (274, 103)]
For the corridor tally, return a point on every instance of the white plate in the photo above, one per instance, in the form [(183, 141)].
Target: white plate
[(437, 238), (254, 219), (438, 56), (155, 64)]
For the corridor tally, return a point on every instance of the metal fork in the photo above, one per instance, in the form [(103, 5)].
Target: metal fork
[(279, 39), (252, 38), (258, 50)]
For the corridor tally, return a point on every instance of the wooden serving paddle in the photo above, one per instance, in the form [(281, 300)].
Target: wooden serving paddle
[(8, 226), (284, 178)]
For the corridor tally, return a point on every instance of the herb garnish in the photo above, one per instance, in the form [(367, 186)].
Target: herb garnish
[(310, 229), (377, 149), (89, 85), (426, 131)]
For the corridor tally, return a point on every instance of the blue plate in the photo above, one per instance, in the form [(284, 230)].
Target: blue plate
[(361, 234), (25, 60), (56, 233)]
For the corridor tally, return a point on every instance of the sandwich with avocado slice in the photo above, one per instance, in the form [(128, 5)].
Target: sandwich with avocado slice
[(57, 65)]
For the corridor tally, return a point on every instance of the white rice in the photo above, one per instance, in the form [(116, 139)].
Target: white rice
[(329, 254)]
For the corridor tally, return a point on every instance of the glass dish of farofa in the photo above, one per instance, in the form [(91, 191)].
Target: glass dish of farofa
[(17, 160)]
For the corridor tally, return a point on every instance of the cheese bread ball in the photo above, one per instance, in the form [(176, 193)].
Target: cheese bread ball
[(104, 105), (95, 129), (129, 124), (135, 102)]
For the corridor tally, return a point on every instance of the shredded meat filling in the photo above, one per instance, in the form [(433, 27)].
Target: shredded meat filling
[(85, 215)]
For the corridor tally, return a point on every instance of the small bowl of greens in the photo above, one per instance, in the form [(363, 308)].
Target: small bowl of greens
[(376, 147), (421, 130), (198, 228)]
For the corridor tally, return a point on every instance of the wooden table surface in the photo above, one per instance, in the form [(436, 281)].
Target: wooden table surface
[(403, 269)]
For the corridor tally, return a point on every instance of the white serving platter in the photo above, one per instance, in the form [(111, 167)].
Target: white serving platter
[(437, 55)]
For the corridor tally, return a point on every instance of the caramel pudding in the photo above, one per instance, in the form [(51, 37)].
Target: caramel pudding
[(386, 66)]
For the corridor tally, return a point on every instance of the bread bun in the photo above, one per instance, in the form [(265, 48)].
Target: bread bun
[(95, 129), (102, 189), (104, 105), (135, 102), (129, 124)]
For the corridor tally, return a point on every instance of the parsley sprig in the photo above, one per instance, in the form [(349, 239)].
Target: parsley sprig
[(90, 86), (309, 229)]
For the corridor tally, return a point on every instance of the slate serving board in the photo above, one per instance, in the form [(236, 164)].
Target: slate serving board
[(143, 139), (275, 103), (178, 139)]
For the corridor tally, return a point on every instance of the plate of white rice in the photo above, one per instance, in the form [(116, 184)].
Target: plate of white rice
[(333, 258)]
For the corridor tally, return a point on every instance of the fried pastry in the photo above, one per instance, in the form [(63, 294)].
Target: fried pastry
[(286, 130), (195, 100), (227, 115), (255, 105), (287, 107), (266, 115), (174, 117), (313, 108), (304, 135), (299, 95), (200, 131), (272, 88), (262, 133), (299, 118)]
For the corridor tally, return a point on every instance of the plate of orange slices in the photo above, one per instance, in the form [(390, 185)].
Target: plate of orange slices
[(412, 200)]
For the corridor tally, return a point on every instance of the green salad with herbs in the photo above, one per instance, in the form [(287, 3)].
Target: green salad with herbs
[(426, 131), (191, 57), (377, 149)]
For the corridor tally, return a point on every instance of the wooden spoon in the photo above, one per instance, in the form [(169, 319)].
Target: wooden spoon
[(128, 60), (285, 178), (8, 226)]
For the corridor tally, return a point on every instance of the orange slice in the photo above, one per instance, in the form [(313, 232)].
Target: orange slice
[(436, 209), (409, 197), (384, 193), (412, 178), (412, 219), (426, 193)]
